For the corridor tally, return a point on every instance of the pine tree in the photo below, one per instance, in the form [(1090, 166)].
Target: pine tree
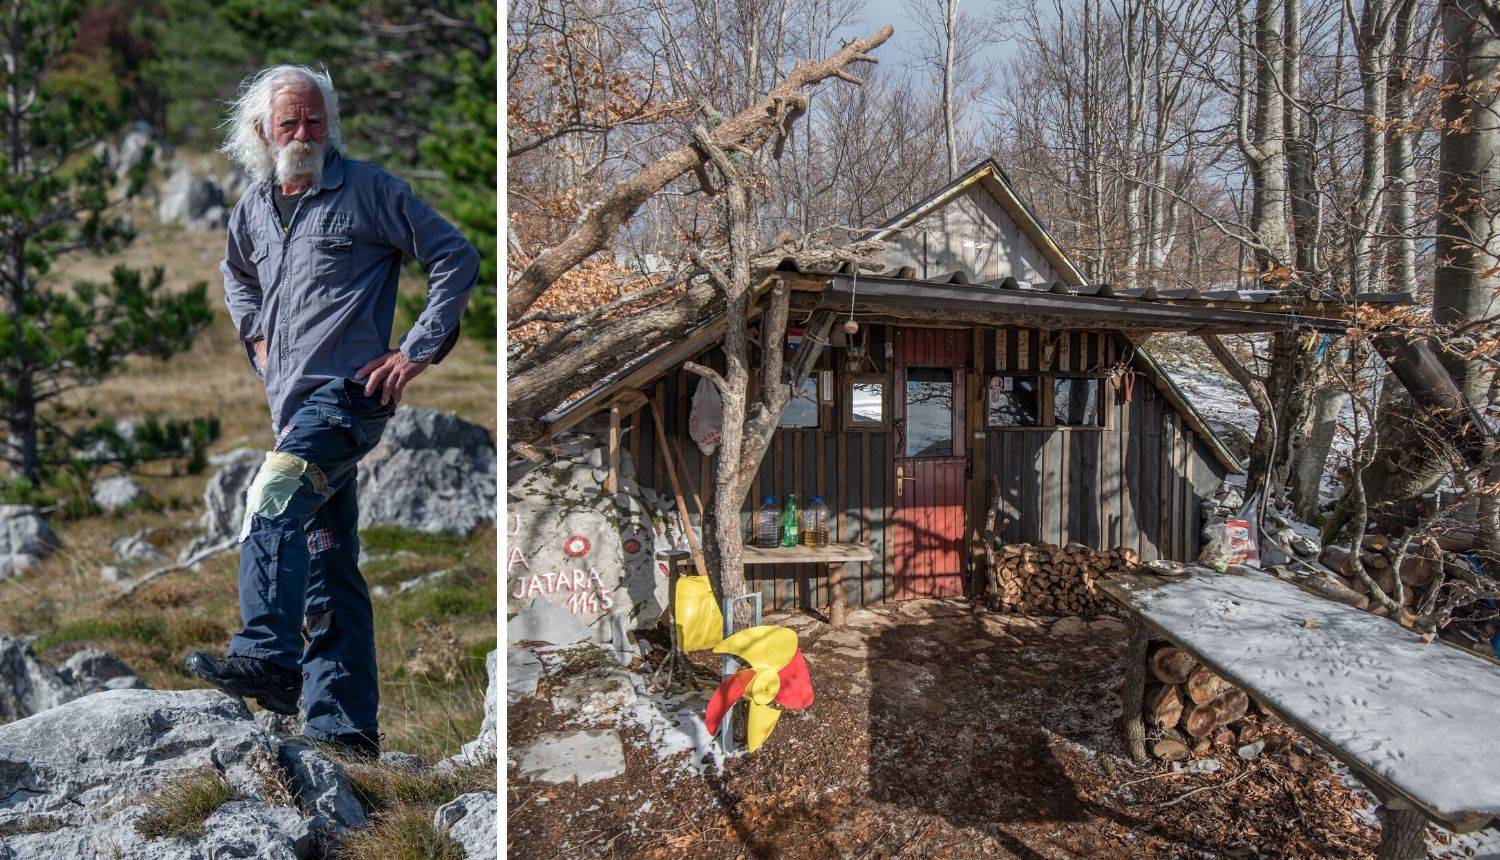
[(56, 198)]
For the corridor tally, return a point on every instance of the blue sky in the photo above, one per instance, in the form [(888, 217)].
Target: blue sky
[(897, 52)]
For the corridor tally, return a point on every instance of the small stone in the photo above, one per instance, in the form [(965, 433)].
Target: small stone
[(402, 760), (109, 573), (135, 547), (1070, 627), (1251, 752), (470, 820), (1048, 666), (112, 494), (92, 670), (579, 757), (25, 539), (1109, 627), (595, 693)]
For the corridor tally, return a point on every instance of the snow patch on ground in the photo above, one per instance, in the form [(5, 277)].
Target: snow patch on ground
[(674, 725)]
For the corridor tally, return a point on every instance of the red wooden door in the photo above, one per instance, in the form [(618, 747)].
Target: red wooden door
[(931, 462)]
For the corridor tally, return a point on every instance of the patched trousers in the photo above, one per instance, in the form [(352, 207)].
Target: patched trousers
[(303, 602)]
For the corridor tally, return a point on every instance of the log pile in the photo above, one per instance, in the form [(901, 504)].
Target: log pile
[(1191, 713), (1055, 580), (1418, 571)]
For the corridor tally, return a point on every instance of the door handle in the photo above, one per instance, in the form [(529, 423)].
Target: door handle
[(900, 479)]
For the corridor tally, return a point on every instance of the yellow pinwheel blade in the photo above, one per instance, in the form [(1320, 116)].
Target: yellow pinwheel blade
[(758, 725), (768, 647), (700, 624)]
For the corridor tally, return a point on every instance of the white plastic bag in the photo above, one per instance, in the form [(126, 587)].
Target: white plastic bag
[(706, 421)]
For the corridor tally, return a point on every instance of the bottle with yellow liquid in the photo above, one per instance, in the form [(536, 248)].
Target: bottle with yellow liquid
[(815, 523)]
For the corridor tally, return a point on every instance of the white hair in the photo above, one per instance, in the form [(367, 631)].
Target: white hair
[(249, 122)]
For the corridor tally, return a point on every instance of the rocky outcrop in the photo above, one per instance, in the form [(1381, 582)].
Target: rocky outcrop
[(583, 549), (112, 494), (27, 686), (92, 670), (224, 498), (432, 472), (88, 766), (483, 748), (469, 820), (194, 202), (133, 146), (135, 547), (25, 539)]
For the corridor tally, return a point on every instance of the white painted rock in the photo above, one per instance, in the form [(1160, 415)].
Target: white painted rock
[(469, 820), (588, 551), (545, 621), (112, 494), (574, 757), (25, 539)]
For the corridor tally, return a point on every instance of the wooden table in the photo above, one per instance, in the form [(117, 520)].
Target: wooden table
[(841, 559), (1413, 721)]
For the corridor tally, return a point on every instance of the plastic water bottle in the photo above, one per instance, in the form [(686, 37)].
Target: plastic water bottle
[(767, 523), (789, 522), (815, 523)]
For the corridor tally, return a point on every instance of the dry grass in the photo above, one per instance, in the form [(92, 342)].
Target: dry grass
[(65, 602), (180, 811), (405, 832)]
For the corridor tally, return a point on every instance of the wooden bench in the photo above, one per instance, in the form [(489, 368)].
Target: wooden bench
[(1414, 721), (841, 559)]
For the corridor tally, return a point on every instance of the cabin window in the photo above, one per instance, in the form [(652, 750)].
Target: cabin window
[(1077, 401), (929, 412), (802, 410), (1012, 401), (867, 402)]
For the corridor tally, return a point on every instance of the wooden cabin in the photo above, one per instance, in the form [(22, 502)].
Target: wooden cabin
[(985, 370)]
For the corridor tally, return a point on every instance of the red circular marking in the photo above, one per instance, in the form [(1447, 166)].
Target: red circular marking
[(632, 546), (576, 546)]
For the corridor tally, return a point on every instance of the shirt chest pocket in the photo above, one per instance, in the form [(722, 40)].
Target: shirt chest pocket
[(329, 261)]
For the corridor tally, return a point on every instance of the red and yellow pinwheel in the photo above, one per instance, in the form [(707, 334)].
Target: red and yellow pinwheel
[(777, 672)]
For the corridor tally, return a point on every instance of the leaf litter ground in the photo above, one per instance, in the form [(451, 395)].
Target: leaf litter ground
[(937, 732)]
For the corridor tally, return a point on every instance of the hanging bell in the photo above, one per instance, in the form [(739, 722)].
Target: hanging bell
[(851, 327)]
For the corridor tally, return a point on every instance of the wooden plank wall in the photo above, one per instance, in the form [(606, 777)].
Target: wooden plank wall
[(1136, 482)]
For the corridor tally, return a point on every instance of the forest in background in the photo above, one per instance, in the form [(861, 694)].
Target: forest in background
[(1330, 150)]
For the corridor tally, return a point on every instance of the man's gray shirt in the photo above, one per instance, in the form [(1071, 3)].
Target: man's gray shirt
[(323, 292)]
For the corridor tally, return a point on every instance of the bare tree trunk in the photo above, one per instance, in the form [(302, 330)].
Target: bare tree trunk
[(950, 47), (1310, 453)]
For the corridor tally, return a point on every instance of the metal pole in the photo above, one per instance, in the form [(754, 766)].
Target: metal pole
[(726, 667)]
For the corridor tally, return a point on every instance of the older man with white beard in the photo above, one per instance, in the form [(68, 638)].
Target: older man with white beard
[(310, 273)]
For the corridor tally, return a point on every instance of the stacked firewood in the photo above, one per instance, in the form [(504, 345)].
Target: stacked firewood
[(1191, 712), (1418, 571), (1056, 580)]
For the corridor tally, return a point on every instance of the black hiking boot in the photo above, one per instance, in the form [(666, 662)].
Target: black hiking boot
[(354, 745), (272, 687)]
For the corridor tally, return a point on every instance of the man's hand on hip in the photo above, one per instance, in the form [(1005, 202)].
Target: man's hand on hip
[(259, 345), (388, 375)]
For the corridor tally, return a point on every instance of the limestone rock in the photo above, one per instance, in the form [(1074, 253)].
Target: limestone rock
[(522, 671), (321, 787), (25, 539), (469, 820), (432, 471), (239, 828), (92, 670), (594, 693), (135, 547), (27, 686), (1070, 627), (545, 621), (194, 202), (483, 748), (133, 148), (224, 495), (122, 744), (112, 494), (574, 757), (591, 552), (1109, 627)]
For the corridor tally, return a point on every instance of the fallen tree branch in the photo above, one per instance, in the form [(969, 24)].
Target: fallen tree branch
[(201, 555), (749, 127)]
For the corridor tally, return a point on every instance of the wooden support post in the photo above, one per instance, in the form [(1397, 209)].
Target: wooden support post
[(836, 602), (612, 483), (1401, 828), (1133, 693)]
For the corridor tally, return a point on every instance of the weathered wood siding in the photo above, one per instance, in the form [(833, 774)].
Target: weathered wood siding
[(1135, 482), (973, 234)]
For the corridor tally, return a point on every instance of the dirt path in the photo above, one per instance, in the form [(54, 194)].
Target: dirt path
[(937, 732)]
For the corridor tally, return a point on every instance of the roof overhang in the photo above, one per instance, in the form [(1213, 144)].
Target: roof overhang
[(1050, 310)]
